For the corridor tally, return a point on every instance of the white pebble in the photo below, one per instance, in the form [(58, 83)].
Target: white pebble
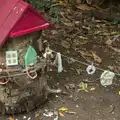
[(56, 96), (77, 106), (29, 118), (24, 117)]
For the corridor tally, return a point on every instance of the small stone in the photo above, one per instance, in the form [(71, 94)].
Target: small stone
[(77, 117), (56, 96), (29, 118), (77, 106), (113, 113), (24, 117), (54, 32), (111, 67)]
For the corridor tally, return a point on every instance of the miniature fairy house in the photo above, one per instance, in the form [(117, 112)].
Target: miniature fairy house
[(20, 27)]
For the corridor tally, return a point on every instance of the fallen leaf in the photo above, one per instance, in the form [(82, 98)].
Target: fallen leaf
[(114, 33), (79, 71), (72, 60), (82, 37), (84, 7), (115, 37), (111, 108), (97, 32), (119, 92), (37, 114), (106, 34), (112, 39), (83, 87), (108, 42), (69, 24), (63, 109), (61, 114), (11, 118), (85, 53), (111, 67), (96, 57), (60, 1), (115, 49)]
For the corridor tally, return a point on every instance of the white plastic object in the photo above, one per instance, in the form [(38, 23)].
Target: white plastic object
[(60, 67), (91, 69), (106, 78)]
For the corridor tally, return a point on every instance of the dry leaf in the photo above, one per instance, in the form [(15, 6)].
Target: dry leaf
[(115, 49), (96, 57), (61, 114), (82, 37), (114, 33), (119, 92), (108, 42), (69, 24), (83, 87), (37, 114), (11, 118), (84, 7), (85, 53)]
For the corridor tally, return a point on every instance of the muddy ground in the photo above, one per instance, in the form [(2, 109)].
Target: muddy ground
[(78, 36)]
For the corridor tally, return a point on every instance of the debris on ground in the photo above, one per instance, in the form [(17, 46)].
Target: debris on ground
[(106, 78), (84, 7), (115, 49), (70, 86), (83, 87), (11, 118), (61, 114), (48, 114), (91, 69), (96, 57), (63, 109), (111, 108), (24, 117), (51, 114), (70, 112)]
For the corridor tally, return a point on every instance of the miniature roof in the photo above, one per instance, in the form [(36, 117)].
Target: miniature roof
[(18, 18)]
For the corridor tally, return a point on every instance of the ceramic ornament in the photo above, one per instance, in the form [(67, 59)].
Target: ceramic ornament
[(30, 57)]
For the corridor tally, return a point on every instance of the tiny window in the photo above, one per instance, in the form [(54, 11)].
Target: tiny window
[(11, 58)]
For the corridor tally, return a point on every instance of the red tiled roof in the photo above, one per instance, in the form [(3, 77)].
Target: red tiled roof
[(18, 18)]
